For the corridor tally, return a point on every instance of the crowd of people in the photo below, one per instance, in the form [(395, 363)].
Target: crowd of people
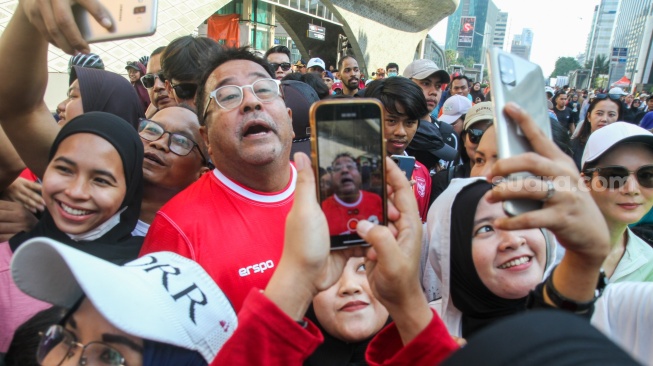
[(171, 217)]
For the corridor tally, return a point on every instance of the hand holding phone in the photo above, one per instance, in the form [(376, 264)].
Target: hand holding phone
[(348, 157)]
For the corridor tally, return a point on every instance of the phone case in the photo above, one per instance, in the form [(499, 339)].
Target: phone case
[(131, 19), (514, 79)]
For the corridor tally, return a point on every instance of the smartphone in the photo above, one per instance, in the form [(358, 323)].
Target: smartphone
[(131, 19), (348, 155), (405, 163), (514, 79)]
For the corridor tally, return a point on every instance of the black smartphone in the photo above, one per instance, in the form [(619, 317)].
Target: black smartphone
[(406, 164), (348, 152), (515, 79)]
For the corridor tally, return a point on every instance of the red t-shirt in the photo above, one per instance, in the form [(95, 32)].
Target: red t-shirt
[(234, 233), (422, 189), (343, 217)]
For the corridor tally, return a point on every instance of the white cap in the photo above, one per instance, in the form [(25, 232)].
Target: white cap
[(162, 297), (617, 91), (607, 137), (316, 62), (454, 107), (549, 90), (422, 69)]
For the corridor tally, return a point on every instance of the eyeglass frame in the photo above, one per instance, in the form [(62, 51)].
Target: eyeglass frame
[(195, 144), (280, 65), (213, 95), (590, 174), (157, 75), (73, 345)]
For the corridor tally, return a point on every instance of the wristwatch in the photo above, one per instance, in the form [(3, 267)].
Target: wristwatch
[(571, 305)]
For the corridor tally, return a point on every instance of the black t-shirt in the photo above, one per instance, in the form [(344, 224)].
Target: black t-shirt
[(564, 116)]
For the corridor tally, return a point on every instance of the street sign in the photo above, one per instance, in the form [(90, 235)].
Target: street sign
[(316, 32)]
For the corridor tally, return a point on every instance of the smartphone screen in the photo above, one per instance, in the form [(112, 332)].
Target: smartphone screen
[(348, 158)]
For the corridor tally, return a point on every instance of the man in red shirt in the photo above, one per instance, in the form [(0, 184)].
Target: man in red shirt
[(231, 221), (349, 203), (404, 104)]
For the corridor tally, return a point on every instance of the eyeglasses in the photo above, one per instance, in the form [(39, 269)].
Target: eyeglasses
[(184, 90), (231, 96), (615, 176), (177, 143), (475, 135), (58, 343), (148, 80), (339, 167), (285, 66), (606, 96)]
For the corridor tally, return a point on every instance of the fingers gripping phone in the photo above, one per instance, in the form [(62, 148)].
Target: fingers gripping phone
[(514, 79), (406, 164), (348, 151), (131, 18)]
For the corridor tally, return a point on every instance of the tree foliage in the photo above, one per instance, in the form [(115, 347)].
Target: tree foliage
[(450, 56), (601, 67), (564, 65)]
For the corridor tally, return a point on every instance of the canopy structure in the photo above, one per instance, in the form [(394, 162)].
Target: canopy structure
[(624, 81)]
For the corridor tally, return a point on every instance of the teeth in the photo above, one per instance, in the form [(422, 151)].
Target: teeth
[(515, 262), (73, 211)]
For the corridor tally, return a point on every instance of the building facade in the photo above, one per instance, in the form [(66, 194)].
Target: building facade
[(486, 15), (500, 30)]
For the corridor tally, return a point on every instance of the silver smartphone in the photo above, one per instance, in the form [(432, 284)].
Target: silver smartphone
[(514, 79), (131, 19), (348, 152)]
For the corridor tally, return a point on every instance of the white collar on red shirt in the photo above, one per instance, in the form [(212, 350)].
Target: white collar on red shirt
[(260, 196)]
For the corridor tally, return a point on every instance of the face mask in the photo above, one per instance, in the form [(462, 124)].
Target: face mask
[(391, 74)]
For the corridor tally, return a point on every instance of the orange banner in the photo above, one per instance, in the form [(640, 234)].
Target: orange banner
[(224, 29)]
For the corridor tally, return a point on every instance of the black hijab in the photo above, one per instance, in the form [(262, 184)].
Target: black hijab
[(108, 92), (478, 305), (117, 245)]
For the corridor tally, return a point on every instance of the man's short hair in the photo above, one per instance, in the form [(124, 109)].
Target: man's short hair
[(391, 91), (277, 49), (392, 65), (343, 60), (214, 61), (462, 77), (157, 51), (184, 57)]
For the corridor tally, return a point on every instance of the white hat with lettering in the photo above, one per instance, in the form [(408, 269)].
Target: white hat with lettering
[(161, 297), (316, 62)]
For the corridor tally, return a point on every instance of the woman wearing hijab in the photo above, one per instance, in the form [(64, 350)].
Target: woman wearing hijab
[(477, 93), (93, 189)]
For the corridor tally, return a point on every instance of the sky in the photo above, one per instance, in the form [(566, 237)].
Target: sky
[(560, 27)]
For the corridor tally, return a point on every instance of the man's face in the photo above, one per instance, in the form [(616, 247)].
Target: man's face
[(399, 130), (460, 87), (280, 58), (346, 178), (328, 81), (158, 93), (561, 101), (316, 70), (350, 74), (650, 104), (134, 75), (163, 168), (393, 71), (432, 88), (255, 133)]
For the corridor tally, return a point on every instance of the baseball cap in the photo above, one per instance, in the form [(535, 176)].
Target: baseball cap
[(336, 86), (300, 63), (617, 91), (548, 89), (299, 97), (132, 65), (428, 145), (316, 62), (161, 297), (604, 139), (479, 112), (421, 69), (454, 107), (328, 74)]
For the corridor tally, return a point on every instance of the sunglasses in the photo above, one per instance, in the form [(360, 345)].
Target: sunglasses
[(148, 80), (615, 176), (606, 96), (475, 135), (184, 90), (285, 66)]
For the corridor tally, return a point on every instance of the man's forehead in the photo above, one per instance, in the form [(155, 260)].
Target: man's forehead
[(230, 71), (278, 56), (350, 62), (177, 119), (154, 64)]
